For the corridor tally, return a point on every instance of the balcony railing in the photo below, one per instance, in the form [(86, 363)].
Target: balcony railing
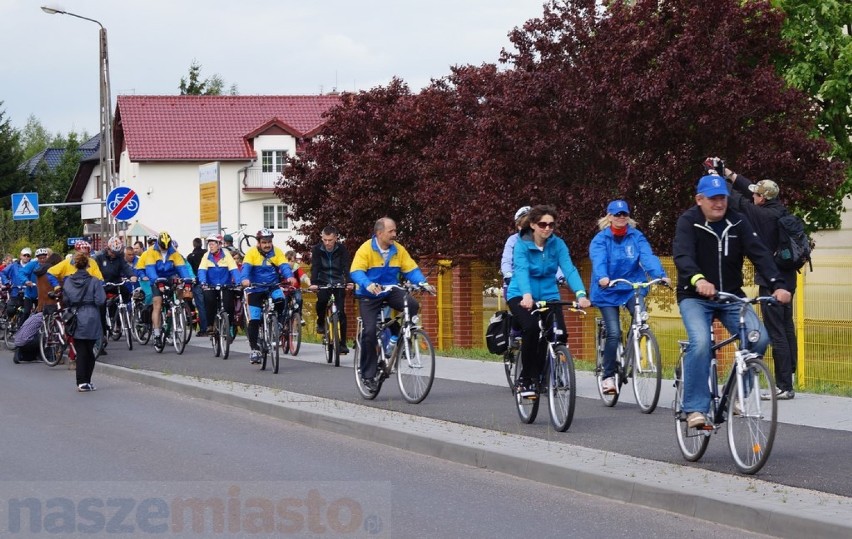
[(257, 180)]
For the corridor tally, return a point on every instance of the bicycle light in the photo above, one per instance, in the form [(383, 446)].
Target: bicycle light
[(415, 319), (644, 316), (754, 335)]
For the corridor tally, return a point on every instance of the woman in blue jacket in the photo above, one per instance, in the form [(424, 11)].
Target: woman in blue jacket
[(618, 251), (537, 255)]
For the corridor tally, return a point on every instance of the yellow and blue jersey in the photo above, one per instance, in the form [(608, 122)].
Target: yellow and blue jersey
[(369, 266), (212, 271), (65, 268), (265, 269), (156, 265)]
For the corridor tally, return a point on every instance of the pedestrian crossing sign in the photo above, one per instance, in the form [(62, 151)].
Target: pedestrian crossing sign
[(24, 206)]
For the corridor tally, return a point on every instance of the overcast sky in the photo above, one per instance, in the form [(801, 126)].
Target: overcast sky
[(49, 63)]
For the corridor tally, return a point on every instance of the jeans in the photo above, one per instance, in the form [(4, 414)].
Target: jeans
[(697, 315), (612, 321)]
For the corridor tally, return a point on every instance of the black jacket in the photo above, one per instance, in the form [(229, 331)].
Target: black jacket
[(113, 269), (764, 219), (195, 257), (697, 249), (329, 267)]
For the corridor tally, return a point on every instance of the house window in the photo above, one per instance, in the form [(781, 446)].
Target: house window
[(275, 217), (273, 160)]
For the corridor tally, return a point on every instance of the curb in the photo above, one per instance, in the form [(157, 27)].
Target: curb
[(738, 501)]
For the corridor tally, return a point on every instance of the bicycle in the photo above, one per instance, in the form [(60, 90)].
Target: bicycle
[(119, 323), (54, 340), (13, 322), (242, 241), (412, 357), (141, 326), (291, 323), (172, 319), (269, 334), (221, 337), (752, 425), (4, 299), (332, 338), (638, 358), (558, 374)]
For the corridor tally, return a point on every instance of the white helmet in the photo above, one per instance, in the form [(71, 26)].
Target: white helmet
[(521, 212)]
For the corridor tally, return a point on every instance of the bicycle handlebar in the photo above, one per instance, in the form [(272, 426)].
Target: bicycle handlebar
[(542, 306), (409, 287), (726, 297), (646, 284)]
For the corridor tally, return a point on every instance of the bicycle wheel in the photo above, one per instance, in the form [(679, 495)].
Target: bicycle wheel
[(693, 442), (365, 392), (51, 344), (246, 243), (179, 331), (160, 344), (561, 388), (275, 344), (98, 347), (609, 399), (509, 367), (124, 317), (191, 326), (262, 341), (224, 335), (295, 330), (141, 329), (114, 332), (333, 337), (215, 338), (647, 371), (527, 408), (9, 332), (751, 428), (284, 337), (415, 368)]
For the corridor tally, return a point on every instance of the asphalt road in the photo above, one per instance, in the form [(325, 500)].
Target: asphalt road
[(151, 452), (805, 457)]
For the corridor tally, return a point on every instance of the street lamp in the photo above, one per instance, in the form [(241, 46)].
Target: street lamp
[(107, 161)]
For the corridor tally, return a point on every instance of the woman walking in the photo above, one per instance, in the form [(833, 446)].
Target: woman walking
[(85, 294)]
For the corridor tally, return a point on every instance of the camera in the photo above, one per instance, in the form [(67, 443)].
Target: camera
[(714, 165)]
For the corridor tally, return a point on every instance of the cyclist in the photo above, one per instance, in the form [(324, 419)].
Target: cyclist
[(537, 256), (618, 251), (65, 268), (301, 277), (114, 268), (710, 243), (378, 262), (46, 258), (507, 260), (141, 262), (265, 265), (217, 267), (330, 265), (20, 275), (164, 262)]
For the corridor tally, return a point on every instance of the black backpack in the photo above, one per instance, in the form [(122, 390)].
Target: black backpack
[(794, 244), (497, 334)]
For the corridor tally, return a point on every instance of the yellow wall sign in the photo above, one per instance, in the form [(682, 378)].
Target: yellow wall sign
[(208, 198)]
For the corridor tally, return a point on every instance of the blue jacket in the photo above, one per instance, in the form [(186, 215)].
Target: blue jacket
[(213, 271), (630, 258), (174, 264), (17, 274), (535, 269)]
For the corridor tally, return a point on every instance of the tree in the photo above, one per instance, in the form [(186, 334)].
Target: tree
[(591, 105), (819, 62), (11, 158), (34, 137), (194, 86)]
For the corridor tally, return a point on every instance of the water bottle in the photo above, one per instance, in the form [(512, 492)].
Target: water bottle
[(391, 343), (386, 335)]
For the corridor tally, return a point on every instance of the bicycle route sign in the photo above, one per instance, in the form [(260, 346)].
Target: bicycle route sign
[(122, 203)]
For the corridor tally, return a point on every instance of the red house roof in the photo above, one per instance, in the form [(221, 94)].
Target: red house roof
[(206, 127)]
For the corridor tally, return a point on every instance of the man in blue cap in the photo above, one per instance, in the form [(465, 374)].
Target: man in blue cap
[(709, 246)]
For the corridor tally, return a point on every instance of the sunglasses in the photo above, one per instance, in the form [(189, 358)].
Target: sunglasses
[(545, 224), (26, 255), (621, 214)]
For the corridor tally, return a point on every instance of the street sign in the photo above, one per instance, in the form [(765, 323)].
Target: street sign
[(72, 241), (122, 203), (24, 206)]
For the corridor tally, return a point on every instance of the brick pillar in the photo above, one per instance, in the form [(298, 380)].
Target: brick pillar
[(580, 328), (429, 303), (466, 303)]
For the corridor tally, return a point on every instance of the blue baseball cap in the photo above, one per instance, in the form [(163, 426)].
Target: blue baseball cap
[(618, 206), (712, 185)]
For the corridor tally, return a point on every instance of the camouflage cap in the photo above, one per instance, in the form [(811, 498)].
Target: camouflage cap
[(765, 188)]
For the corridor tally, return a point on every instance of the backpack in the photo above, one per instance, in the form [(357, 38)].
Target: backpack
[(497, 333), (794, 244)]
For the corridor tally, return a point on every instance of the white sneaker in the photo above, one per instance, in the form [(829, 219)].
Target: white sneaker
[(255, 357)]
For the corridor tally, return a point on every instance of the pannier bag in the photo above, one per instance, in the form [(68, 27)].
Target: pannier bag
[(497, 333)]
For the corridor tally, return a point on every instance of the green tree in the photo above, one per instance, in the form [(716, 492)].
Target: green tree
[(193, 85), (34, 137), (819, 62), (11, 157)]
